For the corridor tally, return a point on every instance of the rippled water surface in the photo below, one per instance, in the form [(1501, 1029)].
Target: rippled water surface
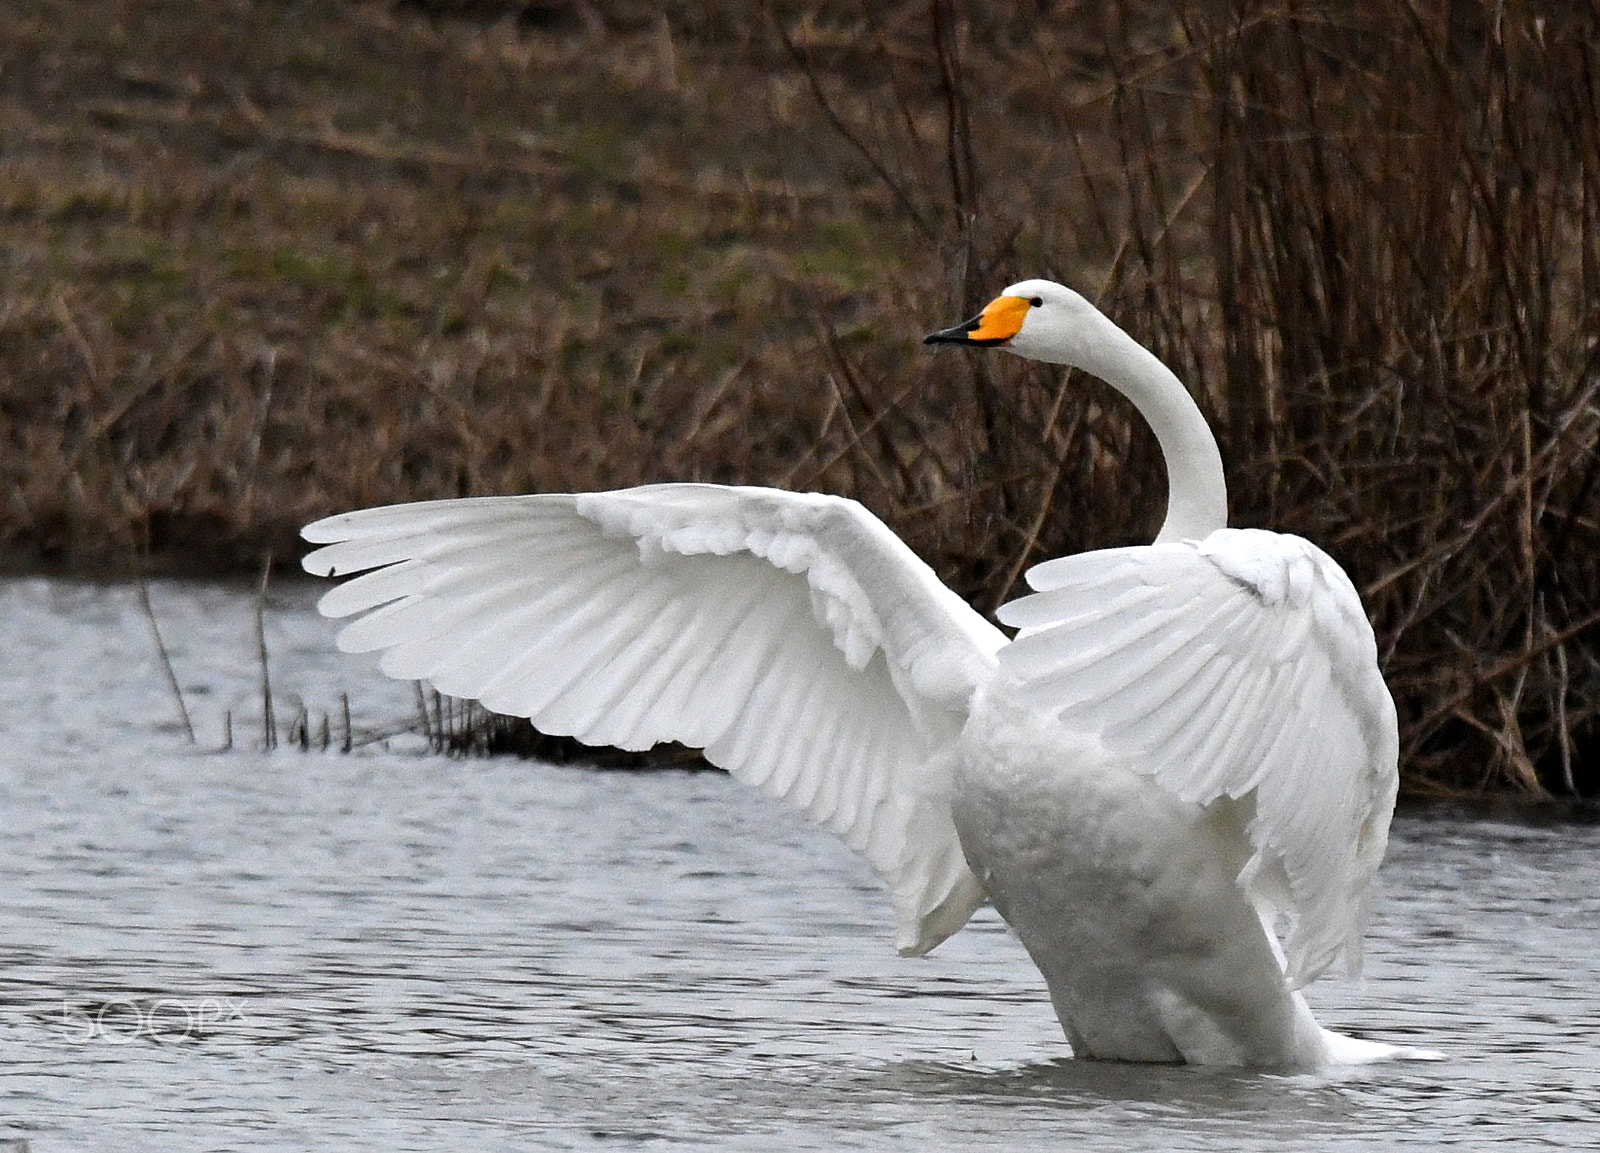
[(391, 950)]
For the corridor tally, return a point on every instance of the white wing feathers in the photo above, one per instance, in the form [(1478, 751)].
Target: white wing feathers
[(1238, 666), (792, 636)]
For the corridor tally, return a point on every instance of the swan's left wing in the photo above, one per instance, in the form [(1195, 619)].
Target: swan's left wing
[(791, 636), (1238, 666)]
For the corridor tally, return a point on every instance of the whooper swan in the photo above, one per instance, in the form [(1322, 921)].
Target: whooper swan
[(1187, 745)]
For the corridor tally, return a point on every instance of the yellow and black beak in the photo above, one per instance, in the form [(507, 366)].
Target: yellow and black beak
[(1000, 320)]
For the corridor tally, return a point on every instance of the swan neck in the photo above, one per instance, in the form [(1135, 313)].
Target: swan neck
[(1197, 493)]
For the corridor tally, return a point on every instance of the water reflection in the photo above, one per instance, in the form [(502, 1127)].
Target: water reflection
[(388, 950)]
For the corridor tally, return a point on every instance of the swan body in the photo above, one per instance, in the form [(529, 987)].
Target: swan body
[(1186, 746)]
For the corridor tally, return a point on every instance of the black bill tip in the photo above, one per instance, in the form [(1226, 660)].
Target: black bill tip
[(956, 335)]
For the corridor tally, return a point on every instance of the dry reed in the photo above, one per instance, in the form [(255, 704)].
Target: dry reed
[(266, 267)]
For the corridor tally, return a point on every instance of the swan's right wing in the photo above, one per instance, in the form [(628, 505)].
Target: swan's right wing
[(793, 637)]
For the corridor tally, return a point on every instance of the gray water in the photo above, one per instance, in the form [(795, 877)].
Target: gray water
[(387, 950)]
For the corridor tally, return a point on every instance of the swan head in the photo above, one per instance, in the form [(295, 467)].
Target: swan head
[(1043, 320), (1038, 319)]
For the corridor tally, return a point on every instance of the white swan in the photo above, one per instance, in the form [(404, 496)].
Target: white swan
[(1187, 745)]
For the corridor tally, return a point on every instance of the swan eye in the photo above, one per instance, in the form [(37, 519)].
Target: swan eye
[(1035, 301)]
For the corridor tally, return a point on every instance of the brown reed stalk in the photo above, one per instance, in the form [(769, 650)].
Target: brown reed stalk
[(165, 658), (269, 718)]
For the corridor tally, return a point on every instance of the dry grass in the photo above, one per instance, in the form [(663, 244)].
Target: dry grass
[(287, 258)]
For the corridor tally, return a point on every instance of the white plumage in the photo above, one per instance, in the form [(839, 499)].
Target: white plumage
[(1185, 742), (1236, 666), (734, 620)]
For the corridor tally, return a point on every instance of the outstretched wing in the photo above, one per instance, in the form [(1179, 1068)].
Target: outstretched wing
[(1237, 666), (793, 637)]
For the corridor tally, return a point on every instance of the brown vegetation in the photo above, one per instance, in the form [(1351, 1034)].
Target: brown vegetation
[(268, 260)]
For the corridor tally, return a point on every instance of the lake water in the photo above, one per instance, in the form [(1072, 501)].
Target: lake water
[(391, 950)]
